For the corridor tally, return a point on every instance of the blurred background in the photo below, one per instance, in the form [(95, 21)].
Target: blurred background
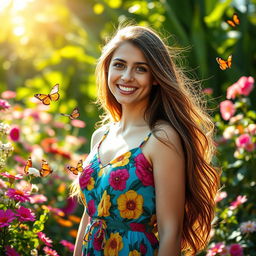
[(48, 42)]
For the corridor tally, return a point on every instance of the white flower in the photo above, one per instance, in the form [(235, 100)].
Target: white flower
[(34, 252), (248, 227), (4, 128), (229, 132), (34, 172)]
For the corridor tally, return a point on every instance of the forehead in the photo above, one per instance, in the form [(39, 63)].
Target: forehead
[(129, 52)]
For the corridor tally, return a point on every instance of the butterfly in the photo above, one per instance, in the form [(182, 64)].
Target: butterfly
[(27, 166), (77, 169), (234, 21), (75, 114), (52, 96), (224, 64), (44, 171)]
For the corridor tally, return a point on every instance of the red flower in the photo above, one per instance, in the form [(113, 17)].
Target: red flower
[(91, 207), (143, 248), (137, 227), (144, 170), (14, 133)]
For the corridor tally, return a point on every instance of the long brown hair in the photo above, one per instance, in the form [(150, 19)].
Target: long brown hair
[(174, 101)]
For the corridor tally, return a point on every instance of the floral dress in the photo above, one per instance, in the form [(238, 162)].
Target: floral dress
[(120, 202)]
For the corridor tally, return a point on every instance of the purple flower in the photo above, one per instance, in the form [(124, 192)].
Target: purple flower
[(6, 217), (4, 105), (9, 251), (18, 195), (118, 179), (25, 214), (236, 250)]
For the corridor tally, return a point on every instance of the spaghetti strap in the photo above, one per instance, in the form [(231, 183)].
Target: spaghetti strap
[(145, 140)]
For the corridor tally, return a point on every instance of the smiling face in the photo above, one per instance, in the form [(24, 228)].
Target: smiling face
[(129, 76)]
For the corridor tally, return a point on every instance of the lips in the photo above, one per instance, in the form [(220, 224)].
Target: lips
[(126, 89)]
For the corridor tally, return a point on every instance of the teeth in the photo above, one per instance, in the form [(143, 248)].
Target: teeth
[(127, 89)]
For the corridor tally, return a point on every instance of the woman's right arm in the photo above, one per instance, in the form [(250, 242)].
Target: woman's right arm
[(84, 220)]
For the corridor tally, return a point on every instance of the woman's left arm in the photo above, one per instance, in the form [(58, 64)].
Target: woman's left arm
[(169, 175)]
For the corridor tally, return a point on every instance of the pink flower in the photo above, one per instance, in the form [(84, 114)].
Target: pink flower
[(236, 250), (233, 91), (18, 195), (248, 227), (91, 207), (78, 123), (37, 199), (208, 91), (14, 133), (239, 200), (6, 217), (70, 206), (245, 85), (245, 141), (46, 240), (221, 196), (251, 128), (50, 252), (217, 248), (118, 179), (8, 94), (144, 170), (9, 251), (4, 105), (10, 176), (2, 184), (25, 214), (68, 245), (227, 109), (85, 177)]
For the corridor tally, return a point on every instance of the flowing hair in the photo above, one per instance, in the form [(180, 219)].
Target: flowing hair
[(175, 101)]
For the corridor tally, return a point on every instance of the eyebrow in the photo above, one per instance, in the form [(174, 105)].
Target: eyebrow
[(138, 63)]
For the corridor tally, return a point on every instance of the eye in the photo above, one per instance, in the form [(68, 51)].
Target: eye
[(141, 69), (118, 65)]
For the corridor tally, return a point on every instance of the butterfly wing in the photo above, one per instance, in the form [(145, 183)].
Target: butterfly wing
[(229, 61), (222, 63), (80, 166), (28, 165), (75, 114), (44, 98), (54, 94), (72, 169), (231, 23), (77, 169), (236, 19), (45, 169)]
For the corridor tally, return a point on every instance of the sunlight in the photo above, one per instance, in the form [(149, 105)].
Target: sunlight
[(14, 5)]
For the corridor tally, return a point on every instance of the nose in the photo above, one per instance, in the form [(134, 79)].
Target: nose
[(127, 75)]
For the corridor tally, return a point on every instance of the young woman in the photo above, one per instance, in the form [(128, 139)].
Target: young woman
[(148, 184)]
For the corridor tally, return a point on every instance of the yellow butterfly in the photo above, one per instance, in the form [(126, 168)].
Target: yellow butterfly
[(52, 96), (75, 114), (234, 21), (224, 64), (77, 169)]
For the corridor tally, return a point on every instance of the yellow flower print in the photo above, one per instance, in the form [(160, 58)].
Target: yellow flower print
[(134, 253), (113, 245), (90, 184), (82, 197), (104, 205), (130, 205), (121, 160)]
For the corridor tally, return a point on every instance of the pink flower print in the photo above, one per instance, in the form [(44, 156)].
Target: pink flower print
[(144, 170), (98, 240), (85, 176), (6, 217), (245, 141), (143, 249), (25, 214), (245, 85), (236, 250), (91, 207), (138, 227), (227, 109), (239, 200), (118, 179)]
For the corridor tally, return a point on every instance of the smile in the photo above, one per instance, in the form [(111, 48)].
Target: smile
[(126, 89)]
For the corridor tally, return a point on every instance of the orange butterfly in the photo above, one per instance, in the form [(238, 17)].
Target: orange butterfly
[(75, 114), (77, 169), (52, 96), (28, 165), (234, 21), (45, 169), (224, 64)]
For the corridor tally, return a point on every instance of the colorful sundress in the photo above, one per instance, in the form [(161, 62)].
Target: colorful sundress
[(120, 200)]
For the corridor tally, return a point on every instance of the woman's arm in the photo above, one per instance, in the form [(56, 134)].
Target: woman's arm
[(80, 234), (169, 174)]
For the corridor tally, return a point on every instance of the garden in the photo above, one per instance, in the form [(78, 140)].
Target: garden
[(51, 48)]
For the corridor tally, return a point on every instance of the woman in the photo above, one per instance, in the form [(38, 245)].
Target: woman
[(148, 185)]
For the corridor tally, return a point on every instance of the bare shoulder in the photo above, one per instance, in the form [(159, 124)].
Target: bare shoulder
[(97, 135), (169, 135)]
